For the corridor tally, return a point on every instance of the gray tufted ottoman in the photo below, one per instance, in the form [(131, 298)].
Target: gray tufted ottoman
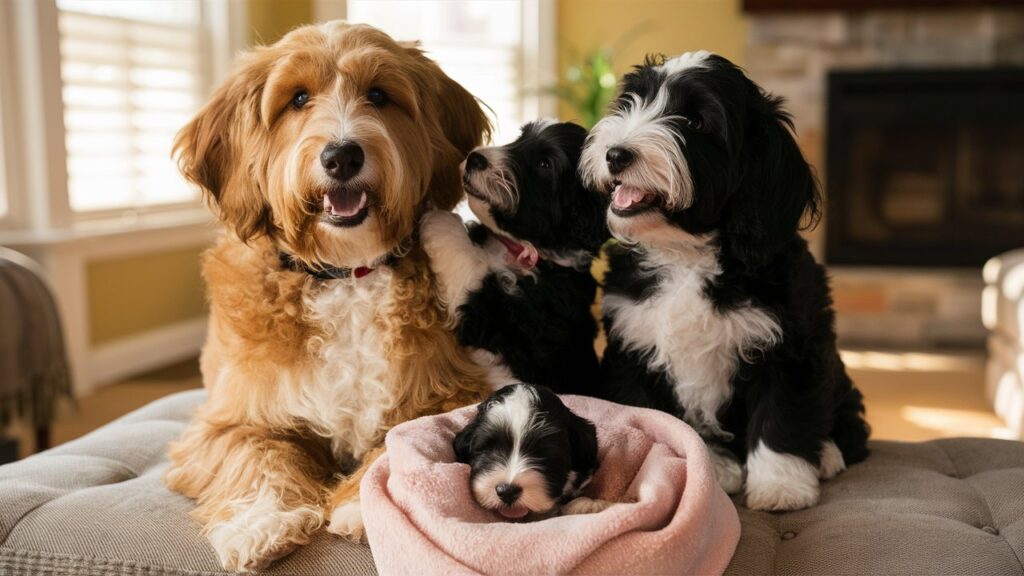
[(96, 506)]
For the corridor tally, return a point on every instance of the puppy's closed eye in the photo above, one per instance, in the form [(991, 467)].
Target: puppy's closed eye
[(529, 455)]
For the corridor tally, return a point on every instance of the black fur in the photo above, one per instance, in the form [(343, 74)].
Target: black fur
[(559, 443), (544, 329), (751, 186)]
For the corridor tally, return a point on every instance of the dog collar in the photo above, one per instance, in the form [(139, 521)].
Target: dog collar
[(328, 272)]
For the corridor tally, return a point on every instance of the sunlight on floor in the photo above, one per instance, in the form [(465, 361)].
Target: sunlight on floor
[(924, 395), (949, 422), (915, 361)]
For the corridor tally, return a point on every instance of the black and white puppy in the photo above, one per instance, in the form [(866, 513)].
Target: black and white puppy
[(529, 455), (714, 307), (519, 282)]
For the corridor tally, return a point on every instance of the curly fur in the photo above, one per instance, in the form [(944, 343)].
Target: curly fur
[(305, 375)]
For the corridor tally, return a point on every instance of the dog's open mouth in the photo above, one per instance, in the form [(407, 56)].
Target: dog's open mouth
[(629, 200), (346, 207), (522, 253), (513, 512)]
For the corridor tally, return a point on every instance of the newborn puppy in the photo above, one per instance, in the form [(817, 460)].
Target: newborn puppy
[(529, 455), (519, 283)]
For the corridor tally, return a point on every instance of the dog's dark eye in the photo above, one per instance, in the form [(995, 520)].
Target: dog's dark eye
[(300, 99), (377, 97), (544, 163), (694, 122)]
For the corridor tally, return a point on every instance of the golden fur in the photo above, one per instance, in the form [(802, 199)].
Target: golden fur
[(305, 376)]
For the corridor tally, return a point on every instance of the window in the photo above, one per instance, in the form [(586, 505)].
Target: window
[(132, 76), (479, 44)]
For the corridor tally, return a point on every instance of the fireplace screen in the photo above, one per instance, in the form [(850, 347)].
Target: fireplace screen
[(925, 168)]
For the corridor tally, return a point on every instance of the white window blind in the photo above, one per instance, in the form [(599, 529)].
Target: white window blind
[(478, 44), (132, 76)]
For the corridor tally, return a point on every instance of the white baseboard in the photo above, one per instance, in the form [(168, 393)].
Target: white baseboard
[(154, 349)]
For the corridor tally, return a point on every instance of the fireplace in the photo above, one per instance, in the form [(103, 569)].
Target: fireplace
[(924, 167)]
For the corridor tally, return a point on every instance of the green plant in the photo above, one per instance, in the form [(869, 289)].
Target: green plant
[(589, 85)]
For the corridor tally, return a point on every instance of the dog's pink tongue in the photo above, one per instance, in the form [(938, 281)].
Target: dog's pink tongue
[(513, 512), (528, 257), (524, 254), (626, 196), (344, 203)]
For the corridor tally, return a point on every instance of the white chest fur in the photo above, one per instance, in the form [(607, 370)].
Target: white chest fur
[(681, 333), (344, 394)]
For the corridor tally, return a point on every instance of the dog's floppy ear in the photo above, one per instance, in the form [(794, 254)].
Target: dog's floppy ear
[(587, 210), (588, 218), (465, 127), (462, 126), (777, 189), (583, 441), (463, 442), (209, 149)]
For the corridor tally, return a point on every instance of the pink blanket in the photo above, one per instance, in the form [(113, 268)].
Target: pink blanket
[(421, 519)]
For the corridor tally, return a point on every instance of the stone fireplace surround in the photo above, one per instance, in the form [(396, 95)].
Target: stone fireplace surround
[(790, 54)]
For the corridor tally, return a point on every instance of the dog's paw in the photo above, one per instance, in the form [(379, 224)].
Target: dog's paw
[(832, 462), (347, 521), (252, 539), (584, 505), (778, 481), (728, 471)]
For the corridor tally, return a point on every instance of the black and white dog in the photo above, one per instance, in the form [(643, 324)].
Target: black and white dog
[(519, 282), (529, 455), (714, 307)]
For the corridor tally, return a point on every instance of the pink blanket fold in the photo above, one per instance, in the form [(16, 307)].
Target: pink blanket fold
[(674, 519)]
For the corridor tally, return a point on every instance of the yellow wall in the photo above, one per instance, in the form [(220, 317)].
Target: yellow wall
[(666, 26), (131, 295), (271, 19)]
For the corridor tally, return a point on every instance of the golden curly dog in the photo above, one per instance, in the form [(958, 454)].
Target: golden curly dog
[(319, 153)]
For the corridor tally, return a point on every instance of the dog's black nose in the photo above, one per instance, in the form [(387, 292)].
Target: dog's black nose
[(619, 159), (475, 161), (342, 161), (508, 493)]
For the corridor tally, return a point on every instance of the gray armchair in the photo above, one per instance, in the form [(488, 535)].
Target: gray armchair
[(1003, 315), (34, 372)]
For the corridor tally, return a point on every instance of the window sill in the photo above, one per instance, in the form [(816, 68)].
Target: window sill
[(109, 228)]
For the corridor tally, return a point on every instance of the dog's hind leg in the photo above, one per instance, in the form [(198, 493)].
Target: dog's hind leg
[(788, 428), (849, 429), (259, 495)]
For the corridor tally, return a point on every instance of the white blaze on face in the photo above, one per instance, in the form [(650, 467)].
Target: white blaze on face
[(516, 416), (644, 127), (684, 61), (495, 182)]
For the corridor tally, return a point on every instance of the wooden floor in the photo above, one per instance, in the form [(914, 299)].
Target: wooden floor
[(920, 396), (910, 396)]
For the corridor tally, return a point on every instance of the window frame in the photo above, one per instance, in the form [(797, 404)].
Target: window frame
[(34, 139), (8, 125)]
